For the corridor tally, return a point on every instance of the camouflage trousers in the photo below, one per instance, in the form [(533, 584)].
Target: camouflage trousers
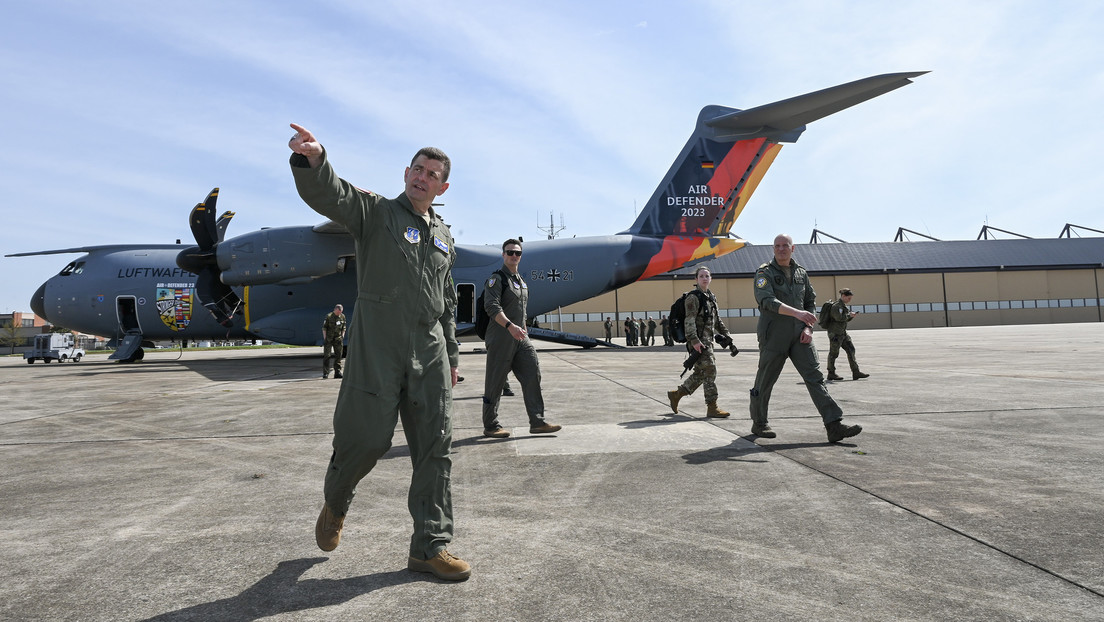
[(703, 373), (332, 351)]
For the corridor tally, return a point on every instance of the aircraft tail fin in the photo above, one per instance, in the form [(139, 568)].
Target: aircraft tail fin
[(731, 150)]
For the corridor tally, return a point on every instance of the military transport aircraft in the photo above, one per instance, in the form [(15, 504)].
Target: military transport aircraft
[(277, 283)]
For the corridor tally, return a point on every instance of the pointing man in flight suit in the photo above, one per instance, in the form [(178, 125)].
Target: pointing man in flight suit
[(403, 351)]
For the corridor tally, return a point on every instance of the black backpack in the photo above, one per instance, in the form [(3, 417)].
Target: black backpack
[(676, 319), (824, 318), (482, 320)]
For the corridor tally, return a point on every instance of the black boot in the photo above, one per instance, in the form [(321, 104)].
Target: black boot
[(763, 430), (837, 430)]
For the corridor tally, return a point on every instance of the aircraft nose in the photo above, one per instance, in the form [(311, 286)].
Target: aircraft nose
[(38, 301)]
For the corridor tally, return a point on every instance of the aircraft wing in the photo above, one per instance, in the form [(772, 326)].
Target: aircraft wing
[(92, 249)]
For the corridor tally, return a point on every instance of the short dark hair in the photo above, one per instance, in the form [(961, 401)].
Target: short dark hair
[(846, 292), (509, 242), (433, 153), (700, 268)]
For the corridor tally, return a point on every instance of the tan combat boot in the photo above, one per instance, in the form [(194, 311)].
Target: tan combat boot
[(327, 530), (675, 396), (443, 565), (714, 411)]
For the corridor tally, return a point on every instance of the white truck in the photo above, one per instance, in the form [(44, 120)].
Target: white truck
[(59, 347)]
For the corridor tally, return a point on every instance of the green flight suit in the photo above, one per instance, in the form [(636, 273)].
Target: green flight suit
[(402, 343), (333, 347), (701, 323), (506, 354), (838, 338), (780, 339)]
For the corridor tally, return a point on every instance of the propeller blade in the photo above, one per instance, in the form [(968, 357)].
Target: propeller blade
[(202, 260), (218, 297), (202, 221), (222, 223)]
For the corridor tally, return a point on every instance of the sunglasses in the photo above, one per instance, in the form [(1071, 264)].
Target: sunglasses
[(513, 253)]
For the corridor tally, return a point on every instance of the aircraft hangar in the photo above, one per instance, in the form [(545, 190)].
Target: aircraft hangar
[(901, 284)]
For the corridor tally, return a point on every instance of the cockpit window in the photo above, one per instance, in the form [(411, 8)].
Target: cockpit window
[(74, 267)]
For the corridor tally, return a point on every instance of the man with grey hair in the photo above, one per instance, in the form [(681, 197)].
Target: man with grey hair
[(786, 301)]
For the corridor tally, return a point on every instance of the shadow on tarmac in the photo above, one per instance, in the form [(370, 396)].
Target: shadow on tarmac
[(284, 592), (732, 452)]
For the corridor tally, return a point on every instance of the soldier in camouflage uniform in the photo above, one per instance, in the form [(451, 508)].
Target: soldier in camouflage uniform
[(786, 302), (701, 321), (838, 338), (333, 342), (402, 344)]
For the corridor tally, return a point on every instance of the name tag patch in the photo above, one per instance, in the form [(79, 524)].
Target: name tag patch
[(413, 234), (441, 244)]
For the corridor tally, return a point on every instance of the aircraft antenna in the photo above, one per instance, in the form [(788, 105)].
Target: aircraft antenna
[(551, 229)]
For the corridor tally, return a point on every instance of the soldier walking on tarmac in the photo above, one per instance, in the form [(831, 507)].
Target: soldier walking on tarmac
[(786, 302), (701, 321), (838, 317), (333, 342), (402, 344), (505, 296)]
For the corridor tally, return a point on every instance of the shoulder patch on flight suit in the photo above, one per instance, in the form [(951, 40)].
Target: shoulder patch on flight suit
[(441, 244), (761, 282), (491, 281), (412, 235)]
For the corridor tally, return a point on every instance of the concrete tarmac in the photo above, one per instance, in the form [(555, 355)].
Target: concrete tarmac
[(186, 487)]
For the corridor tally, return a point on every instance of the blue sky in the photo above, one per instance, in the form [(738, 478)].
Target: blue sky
[(120, 116)]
